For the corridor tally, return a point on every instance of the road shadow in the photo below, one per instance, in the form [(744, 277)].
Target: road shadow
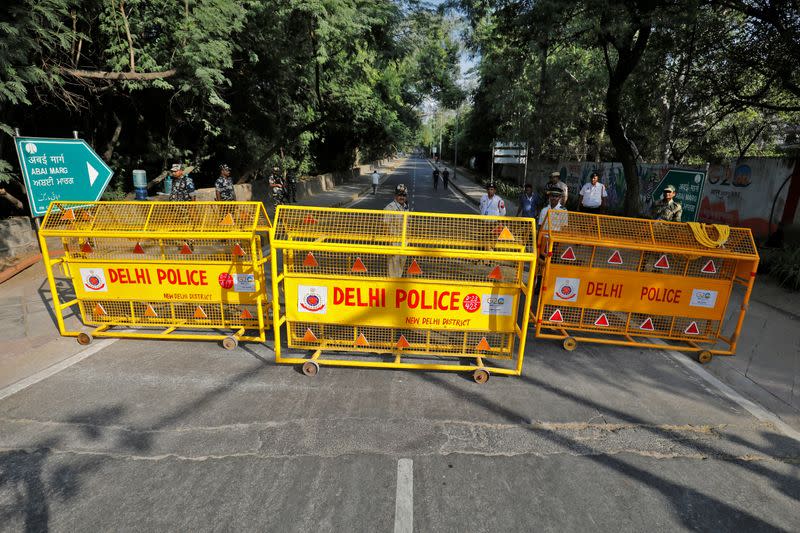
[(712, 511), (29, 480)]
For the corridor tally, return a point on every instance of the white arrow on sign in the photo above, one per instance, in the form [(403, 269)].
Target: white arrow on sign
[(92, 174)]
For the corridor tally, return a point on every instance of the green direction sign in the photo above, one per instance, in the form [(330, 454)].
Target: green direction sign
[(689, 190), (60, 169)]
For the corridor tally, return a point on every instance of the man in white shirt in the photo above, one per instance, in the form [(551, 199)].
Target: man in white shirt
[(593, 195), (555, 184), (376, 179), (554, 204), (491, 204)]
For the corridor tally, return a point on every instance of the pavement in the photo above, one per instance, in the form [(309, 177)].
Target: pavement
[(155, 435)]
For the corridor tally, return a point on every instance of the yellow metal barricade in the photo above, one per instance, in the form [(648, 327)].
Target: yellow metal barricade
[(392, 289), (622, 280), (175, 266)]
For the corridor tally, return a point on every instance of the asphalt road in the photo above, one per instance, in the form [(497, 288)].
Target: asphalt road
[(154, 435)]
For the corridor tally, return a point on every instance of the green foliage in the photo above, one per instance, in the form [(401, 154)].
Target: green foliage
[(307, 84), (783, 265)]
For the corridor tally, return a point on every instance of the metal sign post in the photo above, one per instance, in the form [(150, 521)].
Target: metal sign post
[(509, 153)]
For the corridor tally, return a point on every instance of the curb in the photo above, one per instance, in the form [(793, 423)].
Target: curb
[(25, 263)]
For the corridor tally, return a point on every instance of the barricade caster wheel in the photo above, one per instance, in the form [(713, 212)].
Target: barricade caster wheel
[(570, 344), (310, 368), (230, 343), (704, 357), (480, 376), (84, 339)]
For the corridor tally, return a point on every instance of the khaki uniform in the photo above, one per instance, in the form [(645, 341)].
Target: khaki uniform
[(667, 210)]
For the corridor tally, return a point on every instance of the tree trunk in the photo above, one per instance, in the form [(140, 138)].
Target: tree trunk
[(629, 48)]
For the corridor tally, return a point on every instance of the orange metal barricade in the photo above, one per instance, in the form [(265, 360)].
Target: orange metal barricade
[(624, 281)]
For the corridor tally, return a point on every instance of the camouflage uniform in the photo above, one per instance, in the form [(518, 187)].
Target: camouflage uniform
[(180, 190), (669, 210), (225, 188)]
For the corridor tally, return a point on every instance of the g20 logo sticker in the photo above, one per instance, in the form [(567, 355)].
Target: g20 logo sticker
[(94, 280), (312, 299), (566, 289), (703, 298), (472, 302)]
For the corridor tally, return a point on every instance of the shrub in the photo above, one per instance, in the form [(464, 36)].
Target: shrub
[(784, 266)]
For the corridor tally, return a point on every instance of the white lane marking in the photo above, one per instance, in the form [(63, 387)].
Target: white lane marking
[(753, 408), (404, 500), (55, 369)]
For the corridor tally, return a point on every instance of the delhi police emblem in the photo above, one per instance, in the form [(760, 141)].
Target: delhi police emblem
[(566, 289), (312, 299), (94, 280)]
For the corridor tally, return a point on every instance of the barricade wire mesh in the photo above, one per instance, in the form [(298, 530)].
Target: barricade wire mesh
[(153, 217), (659, 235), (418, 230)]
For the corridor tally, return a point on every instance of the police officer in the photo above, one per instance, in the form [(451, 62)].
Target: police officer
[(667, 208), (181, 189), (395, 264), (224, 185), (436, 178)]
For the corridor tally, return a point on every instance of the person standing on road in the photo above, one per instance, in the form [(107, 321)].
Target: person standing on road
[(376, 180), (528, 202), (396, 263), (491, 204), (593, 195), (554, 204), (276, 186), (446, 178), (554, 184), (666, 208), (224, 185), (436, 178), (180, 185)]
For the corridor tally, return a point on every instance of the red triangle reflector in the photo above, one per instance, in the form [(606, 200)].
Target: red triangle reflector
[(602, 320), (310, 260), (309, 220), (709, 268), (199, 313), (237, 250), (483, 345), (150, 312), (556, 316), (358, 266), (99, 310), (186, 250), (615, 259), (414, 268), (86, 248), (68, 215), (362, 340), (246, 314), (496, 273), (138, 248), (647, 325), (662, 263), (569, 254), (227, 220), (402, 342), (309, 336), (692, 329), (505, 235)]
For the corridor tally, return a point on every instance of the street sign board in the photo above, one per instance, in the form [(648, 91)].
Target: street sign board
[(509, 160), (60, 169), (689, 189)]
